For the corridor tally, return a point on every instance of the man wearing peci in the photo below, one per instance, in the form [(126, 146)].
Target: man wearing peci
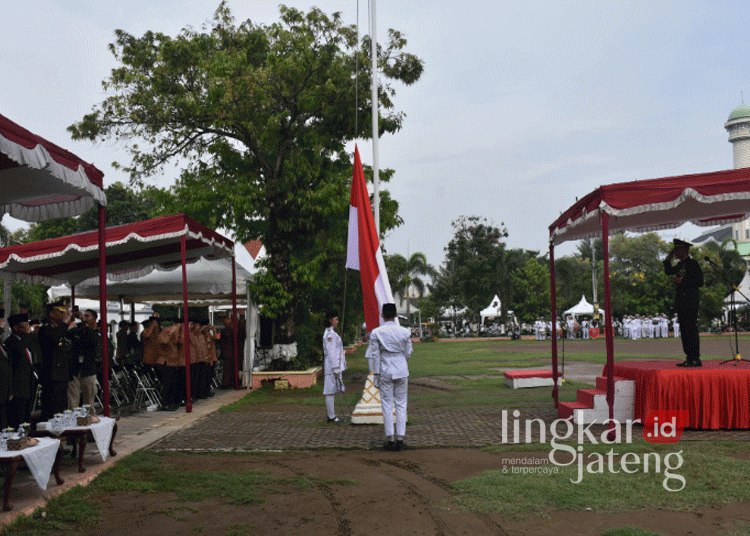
[(688, 278), (389, 350), (57, 352), (22, 363)]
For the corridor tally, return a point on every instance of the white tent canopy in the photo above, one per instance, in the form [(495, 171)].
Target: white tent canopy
[(583, 307), (208, 283), (493, 310)]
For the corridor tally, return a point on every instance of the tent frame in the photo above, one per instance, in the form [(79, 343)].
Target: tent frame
[(35, 160), (170, 228), (704, 199)]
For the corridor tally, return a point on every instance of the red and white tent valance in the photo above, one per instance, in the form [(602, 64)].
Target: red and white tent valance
[(130, 249), (703, 199), (40, 180)]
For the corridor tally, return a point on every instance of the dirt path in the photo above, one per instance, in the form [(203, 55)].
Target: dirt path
[(373, 492)]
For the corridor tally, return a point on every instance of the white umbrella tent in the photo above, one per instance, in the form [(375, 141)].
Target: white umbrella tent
[(582, 308), (493, 310)]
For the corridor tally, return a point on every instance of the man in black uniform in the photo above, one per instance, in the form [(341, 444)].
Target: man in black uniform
[(57, 352), (688, 278), (6, 378), (24, 375)]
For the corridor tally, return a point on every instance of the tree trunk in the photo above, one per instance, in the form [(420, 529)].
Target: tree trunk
[(279, 252)]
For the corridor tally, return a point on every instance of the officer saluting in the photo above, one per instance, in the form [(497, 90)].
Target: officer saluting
[(688, 278), (57, 351)]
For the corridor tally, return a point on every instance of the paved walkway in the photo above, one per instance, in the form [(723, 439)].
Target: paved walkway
[(296, 427)]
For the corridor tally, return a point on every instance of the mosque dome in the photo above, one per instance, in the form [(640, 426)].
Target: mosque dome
[(743, 110)]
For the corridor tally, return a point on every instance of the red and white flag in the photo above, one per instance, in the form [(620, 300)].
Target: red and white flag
[(363, 251)]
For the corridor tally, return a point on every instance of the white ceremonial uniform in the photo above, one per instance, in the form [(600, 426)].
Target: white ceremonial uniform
[(388, 353), (664, 325), (625, 327), (334, 362), (676, 327)]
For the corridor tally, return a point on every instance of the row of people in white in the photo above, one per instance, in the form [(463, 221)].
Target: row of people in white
[(542, 329), (648, 326), (632, 327)]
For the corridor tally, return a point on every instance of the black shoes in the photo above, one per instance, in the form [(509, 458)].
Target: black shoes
[(394, 446), (334, 420), (690, 363)]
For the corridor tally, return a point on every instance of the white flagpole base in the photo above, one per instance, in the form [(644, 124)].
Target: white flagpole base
[(368, 410)]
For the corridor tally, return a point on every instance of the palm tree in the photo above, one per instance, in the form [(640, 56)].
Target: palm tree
[(406, 273)]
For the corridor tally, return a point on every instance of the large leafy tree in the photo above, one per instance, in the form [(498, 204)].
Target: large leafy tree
[(445, 291), (727, 271), (532, 298), (258, 115), (513, 261), (475, 255), (638, 282)]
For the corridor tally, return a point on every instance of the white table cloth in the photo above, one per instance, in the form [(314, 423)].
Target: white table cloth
[(40, 458), (102, 432)]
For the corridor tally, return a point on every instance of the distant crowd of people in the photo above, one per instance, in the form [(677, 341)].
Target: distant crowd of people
[(631, 327), (571, 328), (647, 326)]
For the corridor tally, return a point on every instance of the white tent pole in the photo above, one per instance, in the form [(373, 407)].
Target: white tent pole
[(251, 315)]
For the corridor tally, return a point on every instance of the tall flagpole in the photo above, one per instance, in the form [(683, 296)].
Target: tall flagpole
[(368, 410), (375, 116)]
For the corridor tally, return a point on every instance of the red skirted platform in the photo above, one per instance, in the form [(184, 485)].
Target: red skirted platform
[(528, 374), (716, 396)]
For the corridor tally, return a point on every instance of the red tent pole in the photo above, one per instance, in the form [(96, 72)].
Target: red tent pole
[(186, 327), (553, 324), (608, 332), (236, 329), (103, 308)]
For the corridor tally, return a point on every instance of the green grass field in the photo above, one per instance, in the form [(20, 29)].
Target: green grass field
[(714, 473)]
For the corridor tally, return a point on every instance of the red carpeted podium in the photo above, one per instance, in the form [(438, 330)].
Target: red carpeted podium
[(716, 396)]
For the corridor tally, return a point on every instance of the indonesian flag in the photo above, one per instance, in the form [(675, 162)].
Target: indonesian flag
[(363, 250)]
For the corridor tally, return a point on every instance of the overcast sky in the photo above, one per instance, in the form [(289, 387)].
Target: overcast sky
[(522, 107)]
